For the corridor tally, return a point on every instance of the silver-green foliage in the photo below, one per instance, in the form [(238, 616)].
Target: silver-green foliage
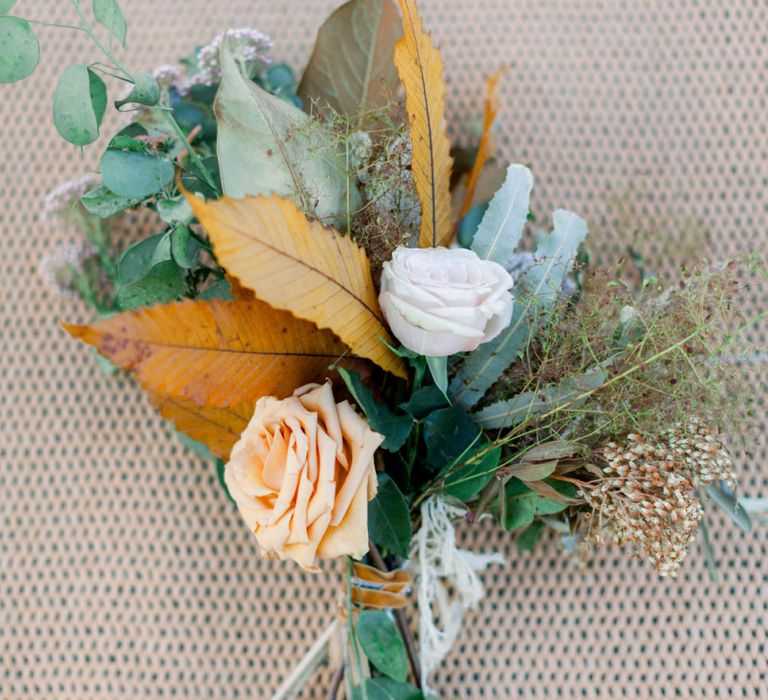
[(268, 146), (536, 292)]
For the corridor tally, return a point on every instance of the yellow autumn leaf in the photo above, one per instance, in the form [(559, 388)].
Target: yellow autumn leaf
[(300, 266), (215, 353), (218, 428), (485, 148), (421, 72)]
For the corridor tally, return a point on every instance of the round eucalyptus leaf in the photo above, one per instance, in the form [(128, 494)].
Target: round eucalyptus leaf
[(145, 91), (135, 174), (6, 5), (79, 104), (19, 49)]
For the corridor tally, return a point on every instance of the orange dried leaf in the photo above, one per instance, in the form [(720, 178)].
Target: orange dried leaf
[(379, 600), (421, 72), (218, 428), (485, 148), (215, 353), (294, 264)]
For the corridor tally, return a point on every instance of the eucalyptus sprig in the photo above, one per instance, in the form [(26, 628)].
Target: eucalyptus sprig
[(80, 99)]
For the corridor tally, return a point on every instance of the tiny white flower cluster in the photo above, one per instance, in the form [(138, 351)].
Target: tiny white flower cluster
[(251, 45), (59, 201), (168, 76), (647, 497), (60, 267)]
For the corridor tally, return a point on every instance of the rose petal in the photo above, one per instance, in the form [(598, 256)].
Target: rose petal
[(363, 443)]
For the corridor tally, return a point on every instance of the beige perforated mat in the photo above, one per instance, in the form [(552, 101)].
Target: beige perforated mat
[(124, 571)]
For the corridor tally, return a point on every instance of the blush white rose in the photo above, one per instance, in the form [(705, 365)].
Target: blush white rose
[(440, 301)]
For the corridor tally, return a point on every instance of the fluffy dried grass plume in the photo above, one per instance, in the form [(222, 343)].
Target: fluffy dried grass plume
[(302, 474)]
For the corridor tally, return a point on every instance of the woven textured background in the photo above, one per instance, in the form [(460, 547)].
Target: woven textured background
[(125, 573)]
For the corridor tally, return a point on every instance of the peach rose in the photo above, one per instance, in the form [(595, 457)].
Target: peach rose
[(302, 474)]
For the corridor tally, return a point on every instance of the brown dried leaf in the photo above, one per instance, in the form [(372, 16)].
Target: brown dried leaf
[(421, 72), (215, 353), (351, 67), (300, 266)]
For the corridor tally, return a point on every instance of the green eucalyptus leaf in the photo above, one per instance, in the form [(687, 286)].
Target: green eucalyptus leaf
[(145, 91), (352, 67), (6, 5), (389, 521), (162, 284), (79, 103), (109, 15), (382, 643), (19, 49), (185, 248), (133, 174), (104, 203), (147, 274), (395, 428), (267, 146), (175, 211)]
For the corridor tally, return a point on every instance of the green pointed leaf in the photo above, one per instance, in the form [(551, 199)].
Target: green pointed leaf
[(145, 91), (500, 231), (19, 49), (424, 401), (147, 274), (382, 643), (395, 428), (389, 521), (109, 15), (521, 504), (133, 174), (536, 292), (6, 5), (104, 203), (268, 146), (530, 536), (438, 368), (79, 104), (467, 482), (382, 688), (352, 68)]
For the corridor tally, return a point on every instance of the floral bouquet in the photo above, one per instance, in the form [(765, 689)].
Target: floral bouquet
[(367, 331)]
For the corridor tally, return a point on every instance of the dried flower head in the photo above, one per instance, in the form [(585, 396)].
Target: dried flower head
[(251, 46), (646, 495), (63, 267)]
